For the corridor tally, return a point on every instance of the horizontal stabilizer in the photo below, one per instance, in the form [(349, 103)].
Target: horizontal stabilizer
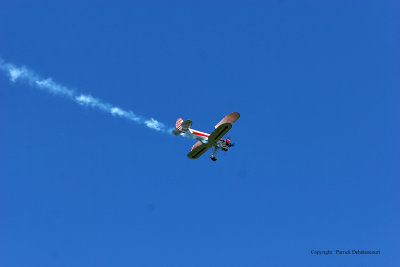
[(176, 132), (186, 124)]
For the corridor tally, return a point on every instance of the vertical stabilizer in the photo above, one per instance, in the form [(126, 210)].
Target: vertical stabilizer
[(179, 124)]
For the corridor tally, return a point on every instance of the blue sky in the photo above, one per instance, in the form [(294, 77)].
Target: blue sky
[(315, 164)]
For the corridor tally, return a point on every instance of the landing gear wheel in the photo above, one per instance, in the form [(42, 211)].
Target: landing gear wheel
[(213, 158)]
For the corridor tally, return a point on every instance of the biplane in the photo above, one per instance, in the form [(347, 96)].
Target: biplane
[(206, 141)]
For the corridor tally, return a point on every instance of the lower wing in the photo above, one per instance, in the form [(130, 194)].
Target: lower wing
[(198, 149)]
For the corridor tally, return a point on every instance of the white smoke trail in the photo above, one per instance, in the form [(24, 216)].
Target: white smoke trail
[(22, 74)]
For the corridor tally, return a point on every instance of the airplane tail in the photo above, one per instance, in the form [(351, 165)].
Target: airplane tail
[(178, 126), (181, 126)]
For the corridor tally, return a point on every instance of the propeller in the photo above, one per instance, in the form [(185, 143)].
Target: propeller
[(232, 144)]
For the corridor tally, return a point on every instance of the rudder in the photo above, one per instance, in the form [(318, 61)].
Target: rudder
[(179, 124)]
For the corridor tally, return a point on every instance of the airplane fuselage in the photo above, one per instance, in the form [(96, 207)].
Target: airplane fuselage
[(203, 137)]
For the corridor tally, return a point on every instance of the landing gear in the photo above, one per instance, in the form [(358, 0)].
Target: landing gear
[(213, 157)]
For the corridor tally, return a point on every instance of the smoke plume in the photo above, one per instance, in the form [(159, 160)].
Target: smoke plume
[(25, 75)]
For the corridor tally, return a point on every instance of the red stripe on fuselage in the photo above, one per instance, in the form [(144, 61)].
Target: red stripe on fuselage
[(200, 133)]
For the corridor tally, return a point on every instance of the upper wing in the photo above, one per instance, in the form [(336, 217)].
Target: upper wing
[(221, 130), (198, 149), (230, 118)]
